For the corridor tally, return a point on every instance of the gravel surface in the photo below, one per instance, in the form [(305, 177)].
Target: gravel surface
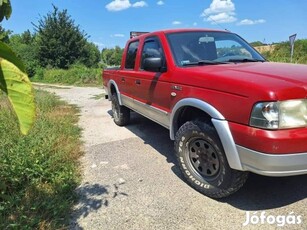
[(130, 180)]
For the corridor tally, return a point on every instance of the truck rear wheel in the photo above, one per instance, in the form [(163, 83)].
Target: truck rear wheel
[(203, 162), (121, 114)]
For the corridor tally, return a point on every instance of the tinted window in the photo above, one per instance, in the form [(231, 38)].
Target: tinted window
[(151, 48), (228, 48), (194, 47), (131, 55)]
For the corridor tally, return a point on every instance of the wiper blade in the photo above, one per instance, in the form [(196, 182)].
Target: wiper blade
[(204, 62), (245, 60)]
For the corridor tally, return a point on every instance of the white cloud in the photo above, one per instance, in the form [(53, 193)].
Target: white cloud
[(195, 24), (139, 4), (176, 23), (220, 11), (118, 5), (220, 6), (160, 3), (118, 35), (251, 22), (221, 18)]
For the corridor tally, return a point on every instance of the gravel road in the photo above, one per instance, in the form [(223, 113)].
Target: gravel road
[(130, 180)]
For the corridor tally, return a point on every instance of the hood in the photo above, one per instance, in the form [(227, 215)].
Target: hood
[(291, 73), (274, 81)]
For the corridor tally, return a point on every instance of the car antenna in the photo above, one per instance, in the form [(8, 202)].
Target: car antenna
[(209, 16)]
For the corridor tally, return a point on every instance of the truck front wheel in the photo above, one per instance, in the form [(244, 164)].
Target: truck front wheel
[(203, 162), (121, 114)]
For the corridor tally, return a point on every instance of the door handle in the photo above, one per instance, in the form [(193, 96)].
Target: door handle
[(123, 79), (138, 82)]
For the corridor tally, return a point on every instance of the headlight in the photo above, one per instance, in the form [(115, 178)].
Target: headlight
[(280, 115)]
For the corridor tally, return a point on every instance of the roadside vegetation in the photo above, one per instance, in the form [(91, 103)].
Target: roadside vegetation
[(38, 172), (75, 75), (281, 52)]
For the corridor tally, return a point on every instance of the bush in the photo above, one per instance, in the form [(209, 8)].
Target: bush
[(75, 75)]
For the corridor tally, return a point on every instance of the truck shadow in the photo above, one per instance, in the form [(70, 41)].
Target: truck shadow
[(259, 192)]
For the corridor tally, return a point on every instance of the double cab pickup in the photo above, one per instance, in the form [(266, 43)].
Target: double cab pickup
[(228, 110)]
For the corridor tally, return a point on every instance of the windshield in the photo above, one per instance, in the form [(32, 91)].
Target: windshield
[(201, 47)]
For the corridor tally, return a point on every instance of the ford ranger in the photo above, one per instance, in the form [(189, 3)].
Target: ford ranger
[(228, 110)]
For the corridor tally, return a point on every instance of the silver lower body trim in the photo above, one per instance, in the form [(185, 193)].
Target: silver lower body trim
[(273, 164), (159, 116)]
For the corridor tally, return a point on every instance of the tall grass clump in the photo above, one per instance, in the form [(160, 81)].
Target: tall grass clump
[(75, 75), (38, 172)]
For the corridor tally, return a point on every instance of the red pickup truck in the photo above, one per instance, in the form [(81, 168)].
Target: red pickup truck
[(229, 110)]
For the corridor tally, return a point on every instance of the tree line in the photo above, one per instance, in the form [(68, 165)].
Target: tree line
[(57, 42)]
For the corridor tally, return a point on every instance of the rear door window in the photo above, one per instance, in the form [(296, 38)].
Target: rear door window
[(131, 55)]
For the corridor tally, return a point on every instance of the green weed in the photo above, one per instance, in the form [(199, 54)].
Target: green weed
[(38, 172)]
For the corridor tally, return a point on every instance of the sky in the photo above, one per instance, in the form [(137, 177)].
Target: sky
[(108, 23)]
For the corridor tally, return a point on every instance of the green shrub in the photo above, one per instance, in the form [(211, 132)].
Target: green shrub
[(38, 172)]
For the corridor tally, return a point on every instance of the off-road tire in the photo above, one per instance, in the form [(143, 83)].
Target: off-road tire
[(203, 162), (121, 114)]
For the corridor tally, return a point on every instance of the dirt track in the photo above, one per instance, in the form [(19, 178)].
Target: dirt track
[(130, 180)]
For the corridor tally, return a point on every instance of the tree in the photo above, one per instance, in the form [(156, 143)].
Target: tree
[(27, 37), (90, 56), (60, 41), (4, 35), (256, 43), (112, 57), (26, 48), (14, 81)]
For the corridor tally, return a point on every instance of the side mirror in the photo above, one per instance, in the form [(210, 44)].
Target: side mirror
[(153, 64)]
